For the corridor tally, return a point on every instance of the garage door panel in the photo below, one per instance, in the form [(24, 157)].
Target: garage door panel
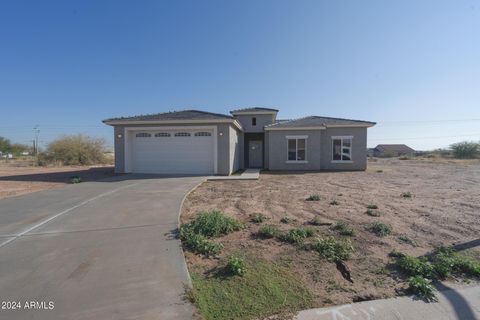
[(187, 155)]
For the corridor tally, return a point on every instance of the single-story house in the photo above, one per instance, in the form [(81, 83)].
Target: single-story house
[(199, 142), (392, 150)]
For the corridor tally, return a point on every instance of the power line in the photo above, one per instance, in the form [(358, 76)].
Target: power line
[(419, 138)]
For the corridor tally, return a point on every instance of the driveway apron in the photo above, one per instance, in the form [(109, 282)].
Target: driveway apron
[(97, 250)]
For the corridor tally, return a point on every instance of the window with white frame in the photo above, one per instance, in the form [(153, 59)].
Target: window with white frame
[(297, 148), (342, 148)]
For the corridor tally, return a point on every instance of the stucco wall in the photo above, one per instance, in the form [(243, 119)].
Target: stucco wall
[(234, 137), (359, 148), (262, 120), (119, 149), (278, 152)]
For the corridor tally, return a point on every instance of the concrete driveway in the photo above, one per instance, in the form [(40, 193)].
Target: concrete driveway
[(97, 250)]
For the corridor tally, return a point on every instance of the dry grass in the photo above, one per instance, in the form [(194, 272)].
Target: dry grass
[(444, 210)]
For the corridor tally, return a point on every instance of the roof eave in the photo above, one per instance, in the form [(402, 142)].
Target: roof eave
[(120, 122)]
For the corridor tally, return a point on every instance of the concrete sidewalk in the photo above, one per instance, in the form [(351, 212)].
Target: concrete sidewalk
[(248, 174), (461, 304)]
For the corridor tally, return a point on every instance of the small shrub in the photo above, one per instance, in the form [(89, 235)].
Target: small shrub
[(236, 266), (415, 267), (466, 150), (198, 243), (396, 254), (380, 229), (214, 224), (446, 261), (297, 236), (405, 239), (332, 249), (334, 202), (316, 221), (259, 218), (268, 231), (75, 179), (372, 206), (285, 220), (407, 194), (379, 171), (343, 228), (313, 197), (372, 213), (423, 288)]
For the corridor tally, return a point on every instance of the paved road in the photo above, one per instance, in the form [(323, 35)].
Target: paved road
[(97, 250), (461, 304)]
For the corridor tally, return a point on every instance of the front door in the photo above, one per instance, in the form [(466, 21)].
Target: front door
[(255, 154)]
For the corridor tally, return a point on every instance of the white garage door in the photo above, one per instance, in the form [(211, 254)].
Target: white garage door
[(173, 152)]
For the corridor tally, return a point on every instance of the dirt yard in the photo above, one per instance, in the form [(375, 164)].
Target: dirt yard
[(444, 209), (17, 179)]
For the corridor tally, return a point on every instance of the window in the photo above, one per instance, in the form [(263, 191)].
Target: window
[(202, 134), (143, 135), (182, 134), (342, 149), (297, 148), (254, 121), (162, 134)]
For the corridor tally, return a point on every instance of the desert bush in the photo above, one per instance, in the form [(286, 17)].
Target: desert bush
[(74, 150), (334, 202), (236, 266), (316, 221), (372, 206), (296, 236), (214, 224), (268, 231), (259, 218), (407, 194), (446, 261), (379, 171), (380, 229), (333, 249), (466, 150), (285, 220), (373, 213), (313, 197), (197, 242), (405, 239), (423, 288), (415, 266), (343, 228)]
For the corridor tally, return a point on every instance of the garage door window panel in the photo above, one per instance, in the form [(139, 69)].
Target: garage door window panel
[(162, 134), (143, 135), (182, 134)]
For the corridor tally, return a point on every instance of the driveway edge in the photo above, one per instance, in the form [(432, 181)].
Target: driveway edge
[(189, 284)]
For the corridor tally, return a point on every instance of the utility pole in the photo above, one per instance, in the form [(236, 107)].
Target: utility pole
[(36, 129)]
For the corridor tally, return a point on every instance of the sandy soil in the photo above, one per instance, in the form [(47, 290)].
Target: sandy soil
[(444, 210), (16, 179)]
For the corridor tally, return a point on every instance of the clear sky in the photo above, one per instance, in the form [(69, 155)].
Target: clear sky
[(411, 66)]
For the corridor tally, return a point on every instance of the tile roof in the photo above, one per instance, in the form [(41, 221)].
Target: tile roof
[(316, 121), (174, 115), (254, 109)]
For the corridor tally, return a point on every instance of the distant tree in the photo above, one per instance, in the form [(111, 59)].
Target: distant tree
[(75, 150), (466, 149), (5, 145), (18, 148)]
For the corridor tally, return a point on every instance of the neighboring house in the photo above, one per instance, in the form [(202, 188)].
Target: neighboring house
[(392, 150), (199, 142)]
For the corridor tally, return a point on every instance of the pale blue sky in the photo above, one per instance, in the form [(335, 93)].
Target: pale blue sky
[(408, 65)]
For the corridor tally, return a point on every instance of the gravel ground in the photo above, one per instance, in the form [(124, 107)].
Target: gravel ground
[(444, 209)]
